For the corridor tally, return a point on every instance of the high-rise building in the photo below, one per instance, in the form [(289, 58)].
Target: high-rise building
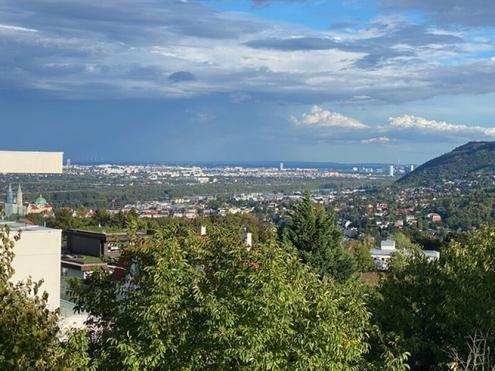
[(391, 170), (281, 168), (411, 168)]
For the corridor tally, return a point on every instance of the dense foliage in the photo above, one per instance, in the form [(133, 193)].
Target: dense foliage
[(184, 301), (193, 302), (436, 307)]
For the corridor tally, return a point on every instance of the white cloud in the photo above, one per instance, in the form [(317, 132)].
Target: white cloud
[(334, 126), (378, 140), (319, 117), (410, 122), (8, 27)]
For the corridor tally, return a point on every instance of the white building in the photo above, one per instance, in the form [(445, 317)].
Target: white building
[(391, 170), (381, 256), (25, 162), (37, 256)]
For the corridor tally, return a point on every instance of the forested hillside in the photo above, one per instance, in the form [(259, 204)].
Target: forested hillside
[(469, 160)]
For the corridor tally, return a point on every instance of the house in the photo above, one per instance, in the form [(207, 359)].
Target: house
[(96, 243), (434, 217), (382, 255)]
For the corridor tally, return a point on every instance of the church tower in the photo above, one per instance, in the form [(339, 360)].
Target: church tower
[(19, 197), (10, 195)]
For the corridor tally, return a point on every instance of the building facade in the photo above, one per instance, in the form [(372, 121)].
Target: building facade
[(37, 256), (96, 244)]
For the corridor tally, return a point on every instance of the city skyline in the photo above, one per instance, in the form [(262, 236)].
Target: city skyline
[(326, 81)]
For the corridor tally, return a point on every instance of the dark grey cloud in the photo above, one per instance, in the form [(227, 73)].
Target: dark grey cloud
[(74, 46), (472, 13), (294, 44), (127, 20), (180, 76), (407, 34), (379, 49)]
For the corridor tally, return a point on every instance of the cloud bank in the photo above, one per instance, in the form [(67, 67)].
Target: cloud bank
[(149, 49), (399, 128)]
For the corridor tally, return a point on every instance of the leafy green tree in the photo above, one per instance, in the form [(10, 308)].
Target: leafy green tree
[(64, 220), (360, 250), (29, 334), (185, 301), (102, 217), (315, 233), (435, 306), (37, 219)]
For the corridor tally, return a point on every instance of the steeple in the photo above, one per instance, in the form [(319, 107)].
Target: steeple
[(10, 195), (19, 196)]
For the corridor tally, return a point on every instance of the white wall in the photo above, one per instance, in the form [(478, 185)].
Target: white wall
[(37, 254), (31, 162)]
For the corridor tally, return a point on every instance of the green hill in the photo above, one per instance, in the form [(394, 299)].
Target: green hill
[(468, 160)]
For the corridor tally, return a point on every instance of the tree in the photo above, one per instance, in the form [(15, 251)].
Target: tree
[(316, 235), (64, 220), (28, 329), (37, 218), (435, 306), (102, 217), (360, 250), (185, 301)]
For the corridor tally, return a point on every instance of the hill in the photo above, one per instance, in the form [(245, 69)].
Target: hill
[(469, 160)]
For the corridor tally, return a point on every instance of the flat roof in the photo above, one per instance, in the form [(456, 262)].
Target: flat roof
[(382, 252), (19, 226)]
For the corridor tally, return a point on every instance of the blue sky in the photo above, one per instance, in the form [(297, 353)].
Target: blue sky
[(155, 80)]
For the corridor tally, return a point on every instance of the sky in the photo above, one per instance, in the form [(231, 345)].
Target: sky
[(225, 80)]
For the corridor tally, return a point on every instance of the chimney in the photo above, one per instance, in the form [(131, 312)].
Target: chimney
[(248, 239)]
